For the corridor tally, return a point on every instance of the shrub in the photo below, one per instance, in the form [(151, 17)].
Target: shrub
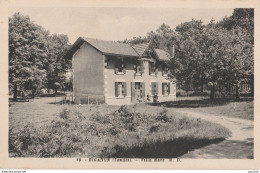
[(154, 128), (64, 113), (162, 116), (75, 134)]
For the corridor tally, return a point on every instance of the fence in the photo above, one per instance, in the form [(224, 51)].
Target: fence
[(80, 99)]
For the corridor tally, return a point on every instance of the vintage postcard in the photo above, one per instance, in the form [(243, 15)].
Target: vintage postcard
[(129, 84)]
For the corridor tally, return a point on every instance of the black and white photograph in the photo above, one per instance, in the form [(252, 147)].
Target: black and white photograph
[(129, 84)]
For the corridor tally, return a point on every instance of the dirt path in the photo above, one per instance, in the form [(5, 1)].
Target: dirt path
[(238, 146)]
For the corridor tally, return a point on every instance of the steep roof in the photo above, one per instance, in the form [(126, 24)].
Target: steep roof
[(116, 48), (162, 55), (106, 47), (111, 47), (140, 48)]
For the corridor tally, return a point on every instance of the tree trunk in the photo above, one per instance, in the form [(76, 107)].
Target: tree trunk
[(212, 92), (237, 92), (201, 87), (15, 93)]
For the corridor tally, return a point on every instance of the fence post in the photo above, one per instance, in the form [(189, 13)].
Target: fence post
[(88, 100)]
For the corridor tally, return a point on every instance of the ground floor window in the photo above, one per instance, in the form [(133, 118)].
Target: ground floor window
[(165, 88), (120, 89), (154, 88)]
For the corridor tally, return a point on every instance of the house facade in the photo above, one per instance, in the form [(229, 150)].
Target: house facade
[(120, 73)]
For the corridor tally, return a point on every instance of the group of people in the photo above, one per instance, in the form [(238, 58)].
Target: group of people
[(148, 98)]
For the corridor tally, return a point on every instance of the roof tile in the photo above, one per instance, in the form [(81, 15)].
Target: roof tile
[(111, 47)]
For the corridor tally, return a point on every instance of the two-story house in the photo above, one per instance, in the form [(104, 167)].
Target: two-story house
[(121, 73)]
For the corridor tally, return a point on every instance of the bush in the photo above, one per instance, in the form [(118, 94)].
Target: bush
[(162, 116), (75, 134), (64, 114)]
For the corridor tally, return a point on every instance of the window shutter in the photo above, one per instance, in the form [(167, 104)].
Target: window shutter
[(156, 88), (141, 67), (135, 68), (138, 69), (116, 67), (169, 88), (150, 68), (143, 89), (124, 63), (133, 91), (156, 71), (163, 92), (116, 89), (152, 87), (124, 89), (124, 66)]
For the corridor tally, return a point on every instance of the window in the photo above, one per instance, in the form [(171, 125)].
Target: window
[(151, 68), (120, 66), (139, 68), (165, 89), (154, 88), (120, 89), (164, 70)]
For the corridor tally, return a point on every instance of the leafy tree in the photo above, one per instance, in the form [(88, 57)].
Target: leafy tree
[(57, 65), (162, 38), (188, 64), (219, 54), (36, 58), (242, 23), (27, 52)]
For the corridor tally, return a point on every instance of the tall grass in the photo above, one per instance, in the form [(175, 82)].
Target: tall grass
[(76, 134)]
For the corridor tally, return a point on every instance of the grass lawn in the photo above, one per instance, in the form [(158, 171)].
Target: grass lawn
[(220, 106), (43, 129), (244, 110)]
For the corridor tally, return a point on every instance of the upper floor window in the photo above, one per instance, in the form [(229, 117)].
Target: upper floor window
[(139, 68), (165, 70), (120, 66), (120, 89), (165, 88), (152, 68)]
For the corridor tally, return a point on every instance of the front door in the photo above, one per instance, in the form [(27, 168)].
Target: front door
[(137, 92)]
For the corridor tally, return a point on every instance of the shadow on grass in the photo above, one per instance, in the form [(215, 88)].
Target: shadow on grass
[(168, 149), (200, 103)]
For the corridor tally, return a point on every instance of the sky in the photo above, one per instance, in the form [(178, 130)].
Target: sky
[(114, 23)]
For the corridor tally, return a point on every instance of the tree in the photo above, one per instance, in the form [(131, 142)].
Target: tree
[(213, 54), (219, 54), (36, 58), (27, 51), (188, 64), (57, 65), (242, 24)]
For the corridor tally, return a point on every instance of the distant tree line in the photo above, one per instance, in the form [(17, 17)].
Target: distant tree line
[(216, 54), (36, 58)]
